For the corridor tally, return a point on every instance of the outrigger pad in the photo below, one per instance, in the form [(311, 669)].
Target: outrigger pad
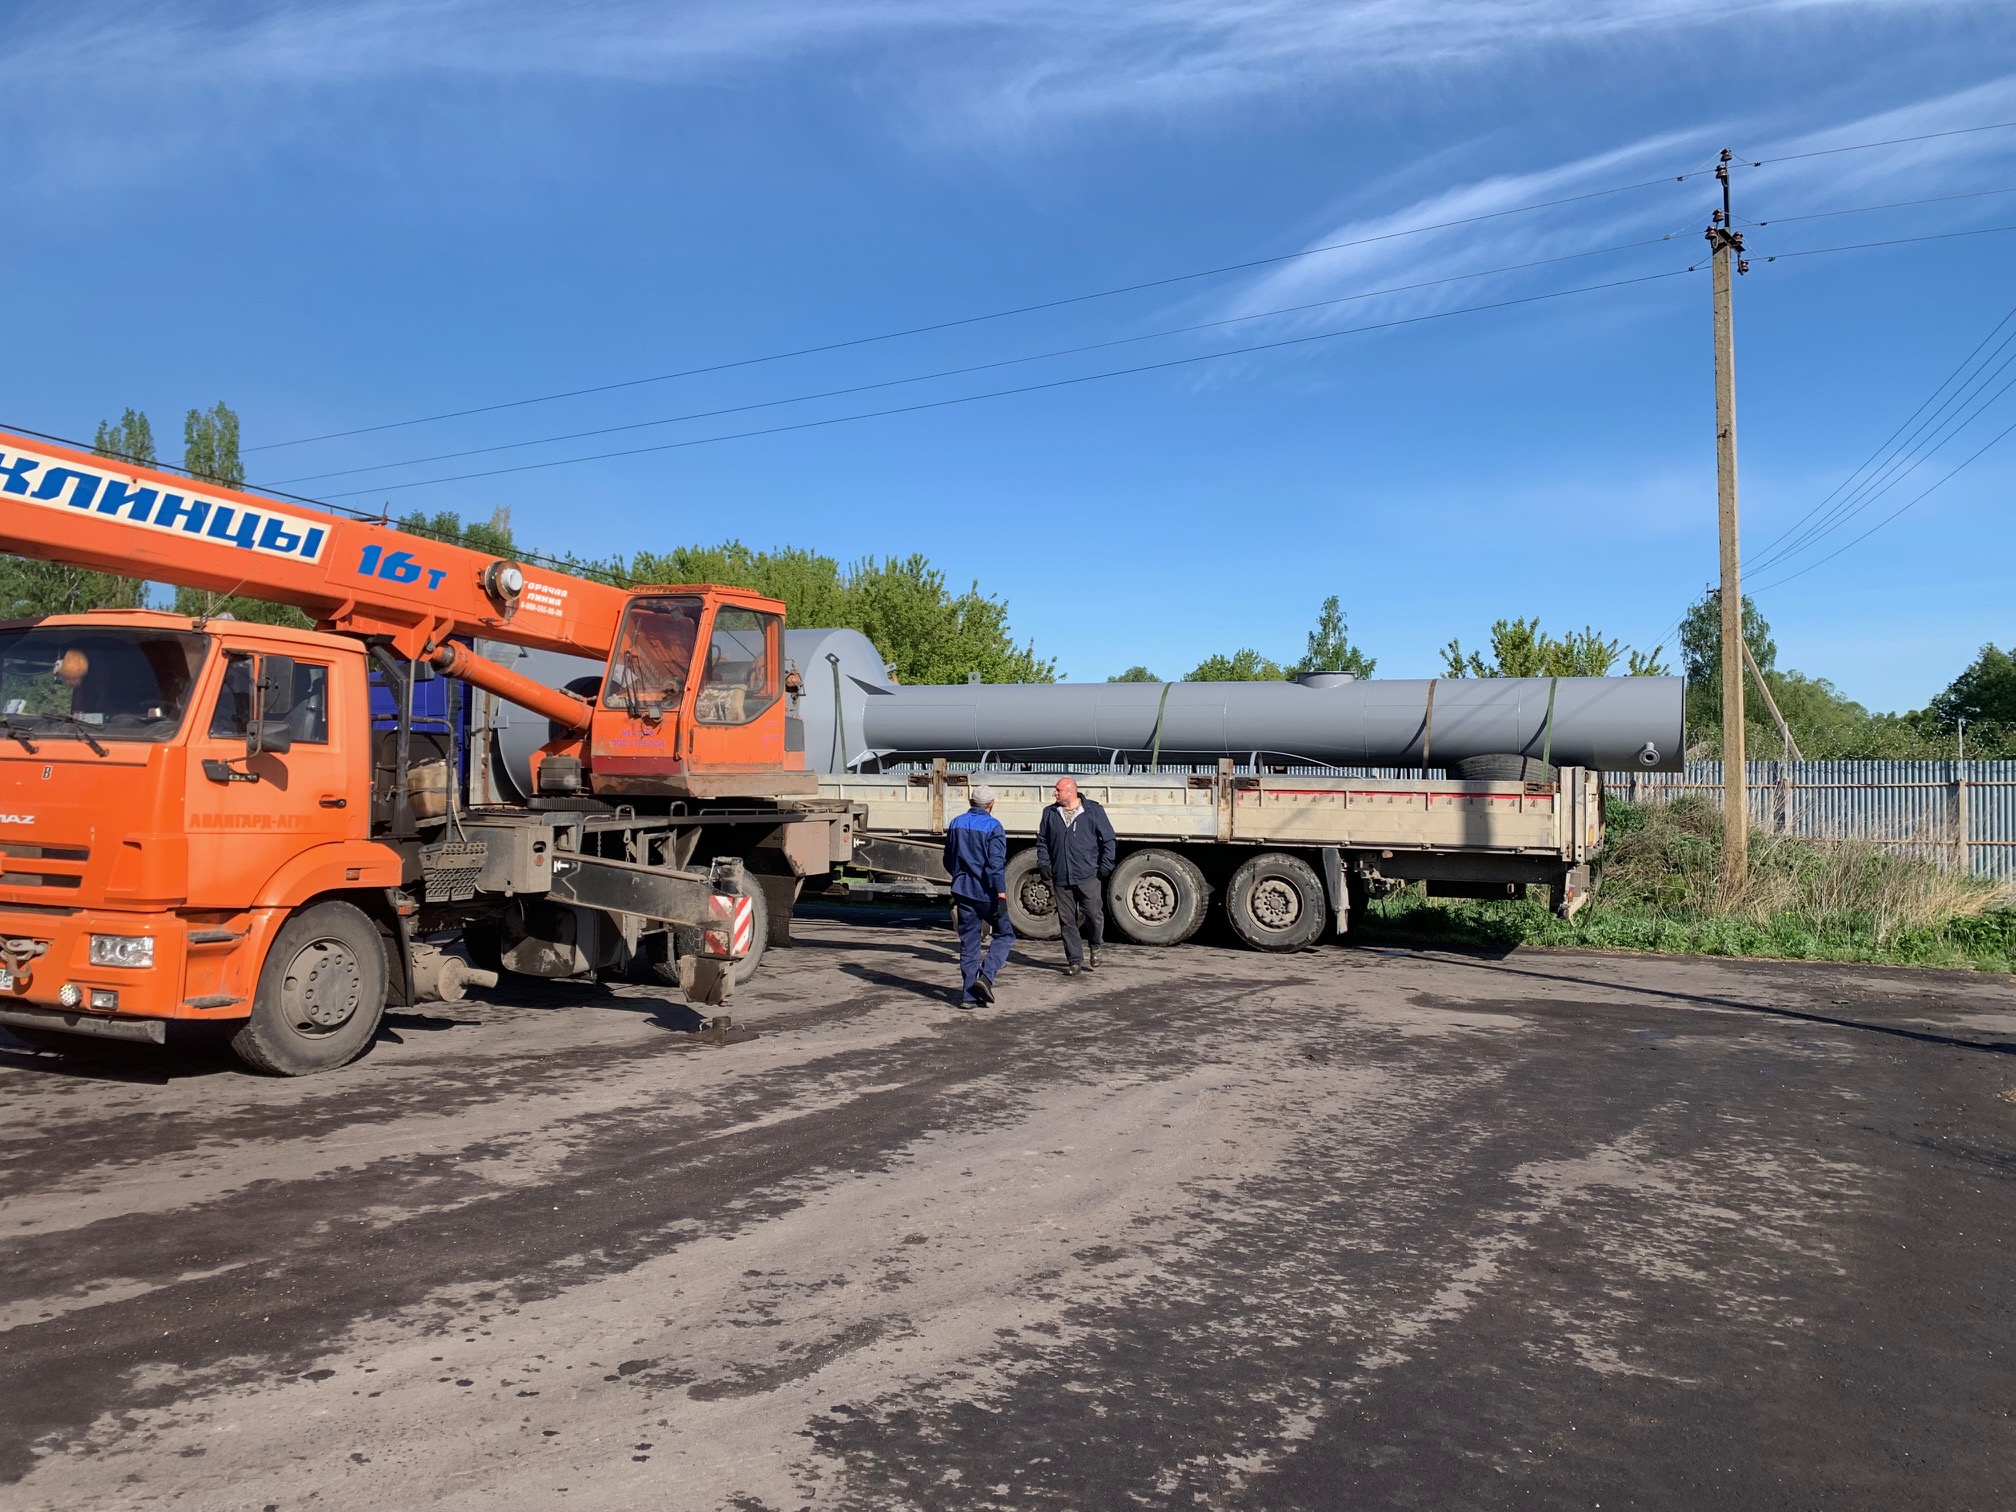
[(708, 983)]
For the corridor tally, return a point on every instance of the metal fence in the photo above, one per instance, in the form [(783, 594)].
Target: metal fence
[(1957, 813)]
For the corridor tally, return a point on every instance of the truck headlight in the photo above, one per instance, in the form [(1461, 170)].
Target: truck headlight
[(122, 950)]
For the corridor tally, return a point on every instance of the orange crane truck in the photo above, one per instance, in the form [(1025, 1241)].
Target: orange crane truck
[(214, 822)]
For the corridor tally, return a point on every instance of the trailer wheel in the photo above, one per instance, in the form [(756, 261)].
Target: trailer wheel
[(1032, 907), (1503, 769), (1276, 902), (320, 995), (1157, 897)]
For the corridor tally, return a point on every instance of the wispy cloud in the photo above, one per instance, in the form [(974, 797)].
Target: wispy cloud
[(1376, 251), (1063, 56)]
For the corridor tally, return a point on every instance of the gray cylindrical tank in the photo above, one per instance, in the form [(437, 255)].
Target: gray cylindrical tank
[(1610, 723), (842, 671)]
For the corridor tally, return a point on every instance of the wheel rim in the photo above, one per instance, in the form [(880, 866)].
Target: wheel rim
[(323, 988), (1153, 898), (1276, 905), (1035, 896)]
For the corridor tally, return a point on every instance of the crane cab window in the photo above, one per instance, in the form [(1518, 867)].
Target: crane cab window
[(741, 672), (654, 654), (307, 719)]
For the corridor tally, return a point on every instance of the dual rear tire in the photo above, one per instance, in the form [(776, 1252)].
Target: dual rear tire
[(1276, 902), (1154, 897)]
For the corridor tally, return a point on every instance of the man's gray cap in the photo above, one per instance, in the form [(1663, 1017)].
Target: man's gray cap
[(979, 795)]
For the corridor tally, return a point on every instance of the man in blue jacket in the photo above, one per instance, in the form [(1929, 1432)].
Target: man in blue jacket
[(1075, 850), (976, 854)]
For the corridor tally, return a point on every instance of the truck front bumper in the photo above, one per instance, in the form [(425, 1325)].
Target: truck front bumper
[(46, 973), (94, 1026)]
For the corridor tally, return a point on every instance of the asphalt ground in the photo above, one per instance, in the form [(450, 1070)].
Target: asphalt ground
[(1204, 1229)]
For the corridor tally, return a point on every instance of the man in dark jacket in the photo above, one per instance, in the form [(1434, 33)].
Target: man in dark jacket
[(1075, 851), (976, 854)]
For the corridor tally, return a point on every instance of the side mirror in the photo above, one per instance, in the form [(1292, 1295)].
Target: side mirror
[(272, 702)]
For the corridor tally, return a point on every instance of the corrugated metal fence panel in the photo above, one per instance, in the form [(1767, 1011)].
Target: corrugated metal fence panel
[(1912, 806)]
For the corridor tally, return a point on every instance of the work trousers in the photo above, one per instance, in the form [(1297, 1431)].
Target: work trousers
[(971, 918), (1081, 910)]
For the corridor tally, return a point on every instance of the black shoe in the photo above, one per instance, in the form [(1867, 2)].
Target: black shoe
[(966, 1002), (1070, 968), (983, 989), (1091, 960)]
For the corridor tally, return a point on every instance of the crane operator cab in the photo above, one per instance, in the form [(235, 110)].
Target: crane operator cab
[(692, 705)]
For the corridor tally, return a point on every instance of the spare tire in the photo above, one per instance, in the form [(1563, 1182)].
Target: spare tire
[(1503, 769)]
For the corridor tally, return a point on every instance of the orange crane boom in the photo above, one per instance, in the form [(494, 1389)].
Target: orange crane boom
[(361, 577)]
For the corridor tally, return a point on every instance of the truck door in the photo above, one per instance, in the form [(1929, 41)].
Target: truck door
[(736, 722), (252, 812), (637, 722)]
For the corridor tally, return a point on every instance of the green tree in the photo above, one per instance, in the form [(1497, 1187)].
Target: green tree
[(1985, 693), (1243, 665), (210, 446), (491, 536), (1136, 674), (210, 452), (925, 632), (130, 438), (1520, 648), (1701, 654), (1330, 648), (30, 588)]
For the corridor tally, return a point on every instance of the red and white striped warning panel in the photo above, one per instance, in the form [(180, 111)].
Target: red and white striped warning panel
[(731, 926)]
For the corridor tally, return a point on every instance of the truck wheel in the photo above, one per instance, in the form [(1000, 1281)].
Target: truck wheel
[(1157, 897), (1032, 907), (320, 996), (1275, 902), (1503, 769)]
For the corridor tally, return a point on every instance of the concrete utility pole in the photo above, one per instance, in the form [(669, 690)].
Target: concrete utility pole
[(1728, 250)]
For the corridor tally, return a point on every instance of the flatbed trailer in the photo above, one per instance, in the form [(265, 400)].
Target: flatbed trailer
[(1288, 858)]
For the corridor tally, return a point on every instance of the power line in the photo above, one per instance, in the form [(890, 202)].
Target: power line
[(1985, 447), (981, 367), (1003, 314), (1898, 241), (1793, 157), (1937, 199), (1031, 388), (1873, 491), (1873, 457), (1058, 352), (1028, 309)]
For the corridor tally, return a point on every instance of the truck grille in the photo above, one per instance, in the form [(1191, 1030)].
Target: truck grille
[(42, 865)]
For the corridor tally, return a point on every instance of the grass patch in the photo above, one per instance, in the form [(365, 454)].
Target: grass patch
[(1808, 900)]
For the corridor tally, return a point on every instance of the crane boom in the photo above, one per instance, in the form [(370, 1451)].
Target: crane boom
[(362, 577)]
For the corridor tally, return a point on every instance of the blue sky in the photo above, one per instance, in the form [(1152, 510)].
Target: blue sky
[(359, 211)]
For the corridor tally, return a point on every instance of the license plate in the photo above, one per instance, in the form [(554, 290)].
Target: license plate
[(6, 981)]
